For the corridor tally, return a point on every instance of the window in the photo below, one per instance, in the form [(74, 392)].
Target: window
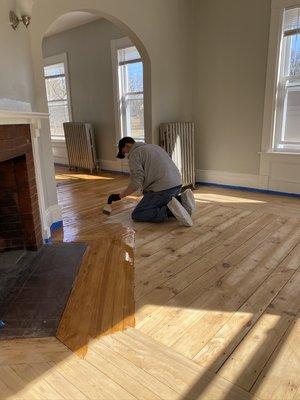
[(287, 119), (129, 96), (57, 96)]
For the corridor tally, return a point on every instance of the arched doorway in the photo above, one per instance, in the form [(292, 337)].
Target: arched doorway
[(96, 70)]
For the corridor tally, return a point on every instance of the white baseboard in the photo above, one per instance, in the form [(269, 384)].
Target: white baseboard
[(61, 160), (282, 170), (53, 215), (59, 150), (230, 178), (262, 182), (115, 165), (284, 186)]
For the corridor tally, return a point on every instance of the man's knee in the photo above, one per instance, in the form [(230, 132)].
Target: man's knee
[(136, 215)]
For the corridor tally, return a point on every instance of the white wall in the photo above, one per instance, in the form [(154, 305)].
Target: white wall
[(17, 93), (161, 27), (16, 77), (90, 73), (231, 44)]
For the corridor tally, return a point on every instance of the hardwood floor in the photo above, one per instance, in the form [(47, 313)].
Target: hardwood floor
[(216, 305), (102, 300)]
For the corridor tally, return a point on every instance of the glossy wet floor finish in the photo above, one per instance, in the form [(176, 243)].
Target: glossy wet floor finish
[(215, 312)]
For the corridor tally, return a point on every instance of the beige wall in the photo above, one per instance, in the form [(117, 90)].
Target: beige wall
[(16, 79), (231, 45), (90, 72)]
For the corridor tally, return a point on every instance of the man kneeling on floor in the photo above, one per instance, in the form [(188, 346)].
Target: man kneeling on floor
[(154, 172)]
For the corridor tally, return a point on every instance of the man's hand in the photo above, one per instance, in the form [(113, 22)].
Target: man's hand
[(127, 192), (113, 197)]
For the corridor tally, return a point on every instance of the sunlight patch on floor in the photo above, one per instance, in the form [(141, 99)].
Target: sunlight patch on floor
[(225, 199), (65, 177)]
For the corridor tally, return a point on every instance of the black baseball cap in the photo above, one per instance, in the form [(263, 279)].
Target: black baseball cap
[(122, 143)]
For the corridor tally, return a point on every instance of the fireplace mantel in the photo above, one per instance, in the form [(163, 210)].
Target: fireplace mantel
[(20, 117), (49, 214)]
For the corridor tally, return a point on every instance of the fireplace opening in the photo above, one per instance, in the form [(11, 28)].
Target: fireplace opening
[(16, 214)]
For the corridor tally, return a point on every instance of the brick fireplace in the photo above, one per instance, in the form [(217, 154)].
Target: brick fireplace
[(19, 208)]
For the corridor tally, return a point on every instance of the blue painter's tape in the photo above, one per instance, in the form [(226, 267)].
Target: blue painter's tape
[(53, 227), (56, 225), (246, 189)]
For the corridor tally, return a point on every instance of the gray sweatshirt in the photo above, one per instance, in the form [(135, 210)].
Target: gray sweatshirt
[(151, 168)]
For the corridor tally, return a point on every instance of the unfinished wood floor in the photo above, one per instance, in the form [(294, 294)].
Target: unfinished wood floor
[(216, 305)]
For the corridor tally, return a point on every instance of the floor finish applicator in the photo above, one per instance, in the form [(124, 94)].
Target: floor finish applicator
[(107, 207)]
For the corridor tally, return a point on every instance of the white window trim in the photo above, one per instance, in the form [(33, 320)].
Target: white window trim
[(62, 58), (117, 44), (267, 144)]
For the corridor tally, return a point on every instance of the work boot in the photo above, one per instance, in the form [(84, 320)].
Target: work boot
[(179, 212)]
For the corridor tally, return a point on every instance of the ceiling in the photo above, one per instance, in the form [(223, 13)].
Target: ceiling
[(71, 20)]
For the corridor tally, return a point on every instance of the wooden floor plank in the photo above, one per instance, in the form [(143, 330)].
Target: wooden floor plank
[(57, 381), (189, 268), (5, 392), (22, 351), (208, 267), (153, 232), (180, 235), (93, 308), (297, 394), (33, 386), (214, 353), (158, 272), (206, 325), (111, 354), (165, 317), (275, 381), (167, 255), (234, 289), (121, 377), (16, 386), (186, 374), (276, 204), (91, 381), (247, 361)]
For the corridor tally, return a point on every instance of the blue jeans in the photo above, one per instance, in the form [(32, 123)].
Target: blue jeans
[(153, 206)]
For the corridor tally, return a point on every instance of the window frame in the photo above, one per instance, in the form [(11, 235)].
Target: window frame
[(119, 44), (58, 59), (270, 116), (282, 93)]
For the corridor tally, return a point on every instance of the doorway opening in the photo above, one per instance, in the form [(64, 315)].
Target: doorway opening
[(97, 73)]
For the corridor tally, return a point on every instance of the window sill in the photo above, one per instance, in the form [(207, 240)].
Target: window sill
[(286, 153)]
